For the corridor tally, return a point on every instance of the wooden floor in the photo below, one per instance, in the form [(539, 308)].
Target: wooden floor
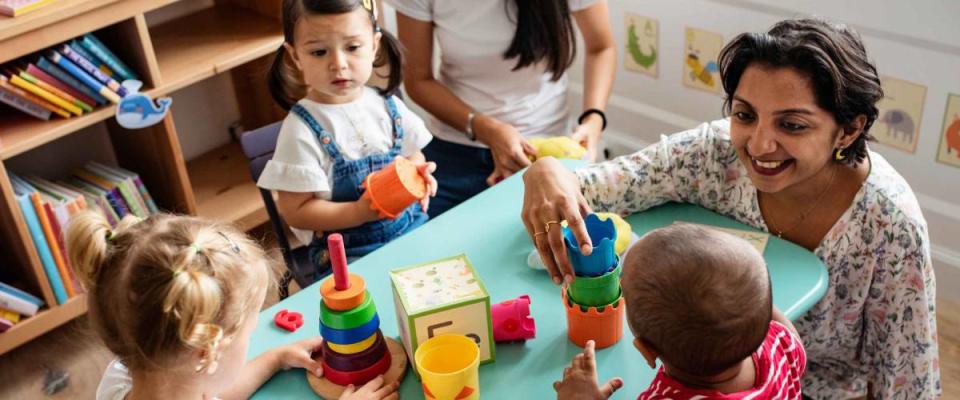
[(74, 350)]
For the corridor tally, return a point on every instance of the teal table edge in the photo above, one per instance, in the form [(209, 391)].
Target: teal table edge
[(488, 229)]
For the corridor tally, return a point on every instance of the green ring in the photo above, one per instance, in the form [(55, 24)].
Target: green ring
[(344, 320)]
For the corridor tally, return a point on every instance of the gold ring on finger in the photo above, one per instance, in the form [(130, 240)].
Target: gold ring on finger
[(547, 225)]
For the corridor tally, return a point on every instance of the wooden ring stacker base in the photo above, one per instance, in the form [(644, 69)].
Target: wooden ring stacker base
[(343, 300), (398, 368)]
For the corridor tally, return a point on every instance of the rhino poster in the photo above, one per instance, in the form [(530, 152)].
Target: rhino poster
[(949, 152), (901, 110), (701, 49), (643, 45)]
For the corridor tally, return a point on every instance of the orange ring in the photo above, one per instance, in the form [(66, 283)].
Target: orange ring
[(343, 300)]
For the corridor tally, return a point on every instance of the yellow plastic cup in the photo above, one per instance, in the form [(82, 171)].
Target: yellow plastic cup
[(448, 367)]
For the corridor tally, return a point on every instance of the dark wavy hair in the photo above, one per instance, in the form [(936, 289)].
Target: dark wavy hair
[(845, 82), (544, 31), (283, 78)]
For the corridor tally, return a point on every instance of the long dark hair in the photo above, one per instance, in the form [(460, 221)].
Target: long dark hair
[(845, 82), (283, 78), (544, 31)]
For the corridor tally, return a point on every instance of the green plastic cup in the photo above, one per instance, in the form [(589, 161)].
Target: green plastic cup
[(598, 290)]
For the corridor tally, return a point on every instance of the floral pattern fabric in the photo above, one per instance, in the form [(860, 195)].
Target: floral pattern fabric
[(876, 324)]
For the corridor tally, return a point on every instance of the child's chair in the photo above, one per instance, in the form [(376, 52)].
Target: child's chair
[(258, 145)]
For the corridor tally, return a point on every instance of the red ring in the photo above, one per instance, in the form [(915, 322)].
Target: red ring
[(357, 377)]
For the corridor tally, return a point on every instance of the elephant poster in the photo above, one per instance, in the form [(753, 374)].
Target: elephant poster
[(949, 152), (643, 45), (901, 110), (701, 49)]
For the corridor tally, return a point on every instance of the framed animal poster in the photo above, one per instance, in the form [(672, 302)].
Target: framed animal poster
[(949, 152), (901, 109), (643, 45), (701, 49)]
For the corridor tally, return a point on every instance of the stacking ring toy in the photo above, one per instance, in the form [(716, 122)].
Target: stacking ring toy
[(343, 299), (352, 348), (340, 336), (357, 361), (357, 378), (351, 318)]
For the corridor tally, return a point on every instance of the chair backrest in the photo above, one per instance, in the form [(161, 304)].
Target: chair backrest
[(258, 146)]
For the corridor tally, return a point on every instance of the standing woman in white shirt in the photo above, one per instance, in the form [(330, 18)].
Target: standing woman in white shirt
[(502, 80)]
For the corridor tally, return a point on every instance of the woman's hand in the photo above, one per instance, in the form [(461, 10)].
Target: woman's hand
[(510, 150), (552, 194), (373, 390), (580, 379), (588, 135), (298, 355)]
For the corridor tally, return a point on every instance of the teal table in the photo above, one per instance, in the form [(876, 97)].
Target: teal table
[(488, 230)]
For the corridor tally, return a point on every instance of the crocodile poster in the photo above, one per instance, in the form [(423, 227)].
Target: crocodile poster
[(701, 49), (949, 152), (643, 44), (901, 109)]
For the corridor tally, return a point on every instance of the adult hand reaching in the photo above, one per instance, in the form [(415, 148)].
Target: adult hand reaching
[(509, 149), (551, 195)]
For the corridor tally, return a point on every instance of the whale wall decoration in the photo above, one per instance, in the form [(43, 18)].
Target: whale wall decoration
[(137, 110)]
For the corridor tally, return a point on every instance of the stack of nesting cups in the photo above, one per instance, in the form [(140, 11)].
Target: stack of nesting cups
[(594, 302), (394, 188), (354, 349)]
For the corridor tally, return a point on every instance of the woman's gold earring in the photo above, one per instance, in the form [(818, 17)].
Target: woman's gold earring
[(839, 156)]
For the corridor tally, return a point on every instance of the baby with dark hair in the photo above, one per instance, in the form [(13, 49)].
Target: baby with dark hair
[(700, 300)]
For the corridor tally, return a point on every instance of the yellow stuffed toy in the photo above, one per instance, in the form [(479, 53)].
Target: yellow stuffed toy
[(557, 147), (624, 231)]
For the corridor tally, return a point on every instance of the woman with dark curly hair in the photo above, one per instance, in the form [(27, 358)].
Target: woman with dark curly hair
[(791, 159)]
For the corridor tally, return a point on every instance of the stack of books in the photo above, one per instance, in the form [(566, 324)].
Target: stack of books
[(47, 207), (67, 80), (16, 8), (15, 305)]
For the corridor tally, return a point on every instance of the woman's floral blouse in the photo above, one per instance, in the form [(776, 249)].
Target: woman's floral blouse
[(875, 326)]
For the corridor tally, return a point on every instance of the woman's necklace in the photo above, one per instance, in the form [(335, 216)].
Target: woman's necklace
[(805, 213)]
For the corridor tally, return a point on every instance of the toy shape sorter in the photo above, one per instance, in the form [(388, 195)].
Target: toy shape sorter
[(439, 297), (594, 302), (354, 350)]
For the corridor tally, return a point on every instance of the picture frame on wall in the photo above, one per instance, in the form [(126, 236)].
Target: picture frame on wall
[(700, 68), (949, 149), (901, 112), (643, 44)]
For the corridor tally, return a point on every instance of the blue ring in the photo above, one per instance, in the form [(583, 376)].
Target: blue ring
[(347, 336)]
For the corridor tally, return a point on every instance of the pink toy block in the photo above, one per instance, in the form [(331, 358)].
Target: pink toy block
[(512, 321)]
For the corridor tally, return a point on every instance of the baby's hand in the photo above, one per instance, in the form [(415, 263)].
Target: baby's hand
[(298, 355), (580, 379), (426, 170), (373, 390)]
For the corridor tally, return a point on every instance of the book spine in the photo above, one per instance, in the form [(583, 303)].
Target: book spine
[(11, 316), (55, 91), (75, 46), (40, 74), (4, 83), (17, 304), (21, 294), (146, 195), (101, 51), (68, 79), (43, 250), (24, 105), (42, 216), (23, 84), (84, 77), (92, 69)]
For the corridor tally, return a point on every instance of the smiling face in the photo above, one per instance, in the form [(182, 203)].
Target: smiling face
[(335, 54), (781, 135)]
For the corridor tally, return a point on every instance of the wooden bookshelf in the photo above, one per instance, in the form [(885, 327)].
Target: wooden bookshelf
[(235, 36)]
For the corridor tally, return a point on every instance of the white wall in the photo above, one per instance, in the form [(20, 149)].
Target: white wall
[(918, 41)]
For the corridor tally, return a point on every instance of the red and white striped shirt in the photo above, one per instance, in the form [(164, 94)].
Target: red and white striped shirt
[(779, 363)]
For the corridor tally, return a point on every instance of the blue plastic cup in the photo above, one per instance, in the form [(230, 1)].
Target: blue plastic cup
[(603, 235)]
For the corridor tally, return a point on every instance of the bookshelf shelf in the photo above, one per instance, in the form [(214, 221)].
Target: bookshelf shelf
[(43, 322), (209, 42), (235, 36), (223, 188)]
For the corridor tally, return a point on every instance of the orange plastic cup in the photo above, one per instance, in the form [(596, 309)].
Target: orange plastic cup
[(395, 187), (603, 327)]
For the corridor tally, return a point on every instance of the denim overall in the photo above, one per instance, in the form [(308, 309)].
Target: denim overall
[(347, 177)]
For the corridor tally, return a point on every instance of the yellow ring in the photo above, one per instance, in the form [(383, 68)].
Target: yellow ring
[(548, 225), (353, 348)]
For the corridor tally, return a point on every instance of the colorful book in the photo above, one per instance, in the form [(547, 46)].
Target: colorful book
[(113, 193), (65, 77), (24, 192), (18, 305), (56, 91), (144, 193), (8, 315), (127, 188), (26, 106), (75, 46), (5, 83), (45, 224), (5, 288), (43, 94), (95, 200), (83, 76), (64, 205), (16, 8), (99, 50), (37, 72), (91, 68)]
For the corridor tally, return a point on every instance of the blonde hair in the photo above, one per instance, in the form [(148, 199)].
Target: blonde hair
[(165, 286)]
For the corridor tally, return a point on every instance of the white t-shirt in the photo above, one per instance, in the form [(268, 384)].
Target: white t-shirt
[(116, 383), (473, 36), (359, 128)]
